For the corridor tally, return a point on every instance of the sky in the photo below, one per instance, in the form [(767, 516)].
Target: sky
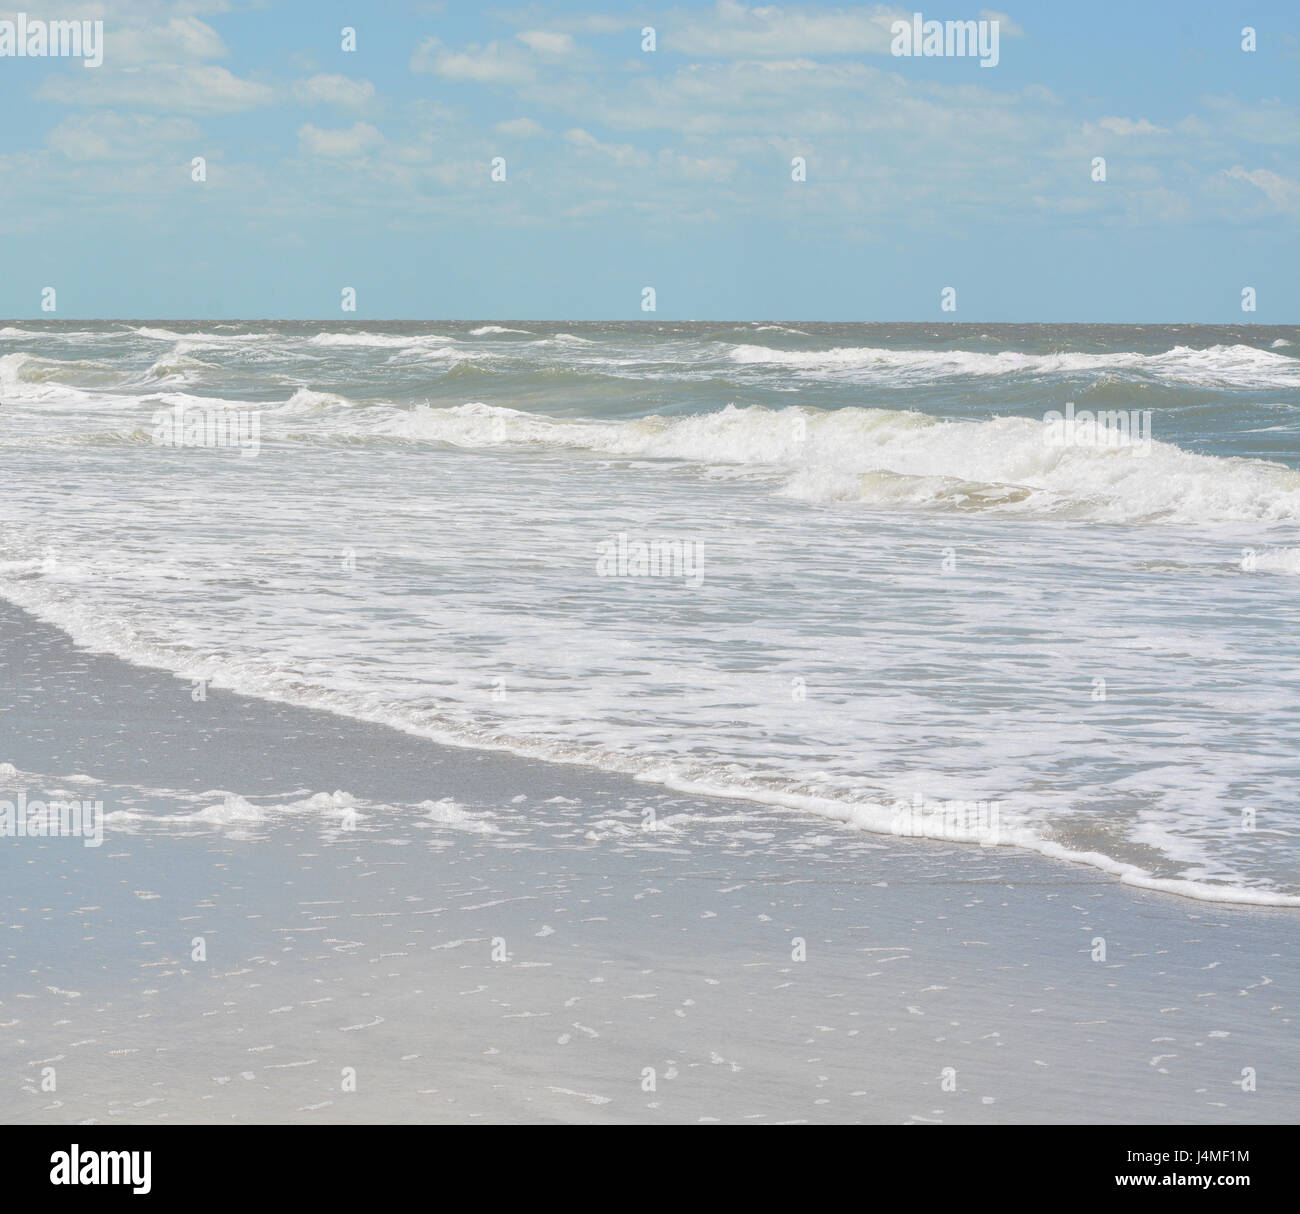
[(371, 168)]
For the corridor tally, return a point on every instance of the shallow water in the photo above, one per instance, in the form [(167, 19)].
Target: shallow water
[(896, 580)]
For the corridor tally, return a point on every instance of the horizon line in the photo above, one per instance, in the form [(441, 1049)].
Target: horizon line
[(573, 320)]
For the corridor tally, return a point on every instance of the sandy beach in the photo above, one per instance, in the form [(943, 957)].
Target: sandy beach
[(472, 936)]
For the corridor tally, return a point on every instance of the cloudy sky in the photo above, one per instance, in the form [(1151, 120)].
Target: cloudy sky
[(626, 168)]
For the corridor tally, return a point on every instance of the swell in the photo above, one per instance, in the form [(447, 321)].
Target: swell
[(887, 457), (1236, 366), (869, 456), (87, 627)]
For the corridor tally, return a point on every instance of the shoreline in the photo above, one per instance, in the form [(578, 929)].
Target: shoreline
[(750, 965), (874, 819)]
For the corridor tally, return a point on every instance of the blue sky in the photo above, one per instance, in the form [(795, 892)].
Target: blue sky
[(672, 169)]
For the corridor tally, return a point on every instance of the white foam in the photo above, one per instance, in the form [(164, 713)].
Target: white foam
[(90, 629), (879, 818), (234, 810), (236, 577), (447, 813), (11, 369), (157, 334), (381, 340), (564, 339), (887, 457), (205, 339), (307, 401), (1238, 365), (29, 378), (1277, 560), (177, 366)]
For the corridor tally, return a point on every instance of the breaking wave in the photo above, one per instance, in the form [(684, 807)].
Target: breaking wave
[(889, 457)]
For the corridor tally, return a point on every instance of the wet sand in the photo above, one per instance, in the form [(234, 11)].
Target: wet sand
[(472, 936)]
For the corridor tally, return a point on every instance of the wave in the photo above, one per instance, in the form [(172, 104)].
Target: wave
[(128, 436), (21, 366), (176, 366), (260, 678), (1237, 366), (156, 334), (887, 457), (28, 377), (464, 369), (489, 330), (12, 369), (204, 339), (308, 402), (564, 339), (380, 340)]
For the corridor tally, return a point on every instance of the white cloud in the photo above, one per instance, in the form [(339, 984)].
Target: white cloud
[(1269, 120), (696, 168), (547, 43), (182, 38), (346, 144), (784, 97), (491, 64), (521, 128), (1006, 27), (680, 139), (620, 153), (1281, 191), (1126, 126), (190, 89), (339, 91), (108, 136), (734, 30), (603, 23)]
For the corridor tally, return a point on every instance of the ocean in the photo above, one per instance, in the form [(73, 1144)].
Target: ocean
[(902, 577)]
